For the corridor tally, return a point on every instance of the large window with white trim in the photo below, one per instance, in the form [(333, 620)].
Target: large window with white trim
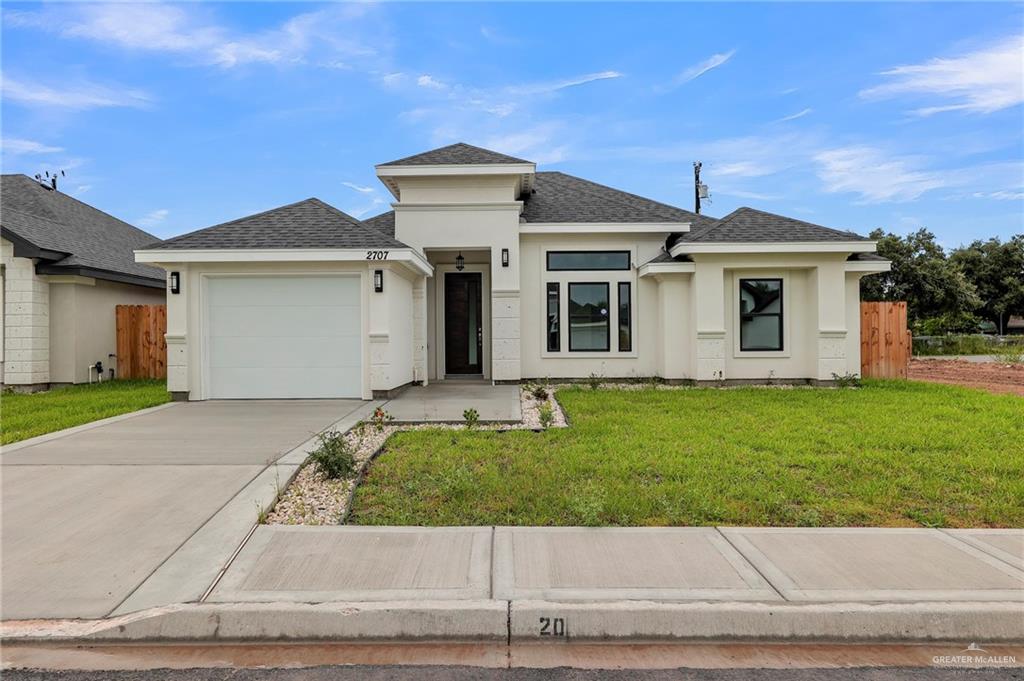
[(760, 315)]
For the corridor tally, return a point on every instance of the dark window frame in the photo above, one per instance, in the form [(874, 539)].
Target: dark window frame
[(627, 254), (628, 303), (555, 323), (608, 317), (779, 315)]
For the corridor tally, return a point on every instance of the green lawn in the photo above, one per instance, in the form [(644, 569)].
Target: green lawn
[(24, 416), (888, 454)]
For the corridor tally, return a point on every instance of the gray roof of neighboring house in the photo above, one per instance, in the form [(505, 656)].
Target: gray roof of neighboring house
[(868, 256), (456, 154), (305, 224), (71, 237), (748, 224), (383, 223), (558, 197)]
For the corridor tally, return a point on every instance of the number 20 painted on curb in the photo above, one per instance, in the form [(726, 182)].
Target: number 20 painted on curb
[(552, 626)]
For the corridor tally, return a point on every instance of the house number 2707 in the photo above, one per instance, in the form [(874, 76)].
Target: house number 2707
[(552, 626), (377, 255)]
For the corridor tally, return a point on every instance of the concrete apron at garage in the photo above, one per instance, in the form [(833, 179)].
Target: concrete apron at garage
[(145, 509), (630, 584)]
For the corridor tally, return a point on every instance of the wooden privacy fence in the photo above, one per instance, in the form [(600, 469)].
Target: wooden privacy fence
[(141, 347), (885, 341)]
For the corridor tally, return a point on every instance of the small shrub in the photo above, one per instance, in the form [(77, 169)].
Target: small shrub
[(333, 458), (380, 419), (846, 380), (539, 392), (359, 430), (546, 413), (594, 381), (1011, 354), (472, 417)]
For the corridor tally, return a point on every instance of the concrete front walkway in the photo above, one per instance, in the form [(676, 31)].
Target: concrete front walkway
[(446, 401), (90, 514)]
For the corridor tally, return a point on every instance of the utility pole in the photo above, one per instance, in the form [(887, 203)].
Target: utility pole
[(696, 187)]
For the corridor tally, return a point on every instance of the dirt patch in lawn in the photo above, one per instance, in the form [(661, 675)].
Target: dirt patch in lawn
[(995, 377)]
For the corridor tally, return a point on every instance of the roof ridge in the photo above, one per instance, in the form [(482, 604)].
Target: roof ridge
[(245, 217), (619, 191), (337, 211), (803, 222)]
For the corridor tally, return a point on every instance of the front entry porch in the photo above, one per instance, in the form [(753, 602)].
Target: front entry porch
[(445, 401)]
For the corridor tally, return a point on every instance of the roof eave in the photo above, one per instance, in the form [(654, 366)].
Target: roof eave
[(603, 227), (99, 273), (690, 247), (165, 256)]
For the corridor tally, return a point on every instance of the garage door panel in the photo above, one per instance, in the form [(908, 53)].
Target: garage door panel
[(285, 290), (284, 337), (276, 383), (294, 352), (281, 321)]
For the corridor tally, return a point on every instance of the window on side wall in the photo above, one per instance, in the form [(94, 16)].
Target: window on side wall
[(625, 317), (587, 261), (589, 328), (553, 313), (760, 315)]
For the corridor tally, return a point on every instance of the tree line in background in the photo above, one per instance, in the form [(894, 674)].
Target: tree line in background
[(973, 288)]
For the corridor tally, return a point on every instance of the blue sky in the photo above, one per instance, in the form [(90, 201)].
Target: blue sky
[(178, 116)]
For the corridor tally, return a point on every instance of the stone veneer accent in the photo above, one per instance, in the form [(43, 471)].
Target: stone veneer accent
[(26, 321), (505, 362)]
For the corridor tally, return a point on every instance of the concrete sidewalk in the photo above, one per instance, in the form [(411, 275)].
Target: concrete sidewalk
[(482, 583)]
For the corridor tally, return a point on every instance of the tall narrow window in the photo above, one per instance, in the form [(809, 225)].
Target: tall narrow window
[(554, 311), (588, 317), (760, 314), (625, 318)]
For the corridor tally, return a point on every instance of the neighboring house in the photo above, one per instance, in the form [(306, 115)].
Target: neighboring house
[(65, 266), (488, 268)]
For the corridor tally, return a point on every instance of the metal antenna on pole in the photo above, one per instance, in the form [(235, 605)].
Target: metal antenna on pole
[(696, 187)]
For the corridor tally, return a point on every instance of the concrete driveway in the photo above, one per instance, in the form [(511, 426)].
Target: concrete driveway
[(89, 515)]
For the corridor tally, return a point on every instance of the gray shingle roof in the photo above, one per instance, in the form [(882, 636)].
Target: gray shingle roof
[(79, 236), (456, 154), (873, 257), (750, 225), (305, 224), (558, 197), (383, 223)]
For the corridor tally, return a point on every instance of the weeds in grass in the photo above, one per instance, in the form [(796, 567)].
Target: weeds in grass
[(846, 380)]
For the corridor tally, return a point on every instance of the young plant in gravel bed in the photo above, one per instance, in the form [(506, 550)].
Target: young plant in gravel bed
[(546, 414), (472, 417), (334, 458), (380, 419)]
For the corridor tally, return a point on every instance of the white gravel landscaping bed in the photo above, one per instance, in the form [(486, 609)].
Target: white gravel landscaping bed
[(311, 499)]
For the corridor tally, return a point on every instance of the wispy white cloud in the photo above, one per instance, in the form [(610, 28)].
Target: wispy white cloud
[(429, 82), (702, 67), (81, 189), (493, 35), (743, 194), (13, 147), (78, 96), (153, 218), (875, 175), (358, 187), (555, 86), (984, 81), (793, 117), (191, 30)]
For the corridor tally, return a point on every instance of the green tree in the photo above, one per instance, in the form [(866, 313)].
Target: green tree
[(936, 290), (996, 269)]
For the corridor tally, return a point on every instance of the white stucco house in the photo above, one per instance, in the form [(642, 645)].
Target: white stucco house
[(490, 269), (64, 267)]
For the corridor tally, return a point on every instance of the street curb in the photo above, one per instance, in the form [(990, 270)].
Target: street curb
[(480, 620), (540, 621), (57, 434), (739, 621)]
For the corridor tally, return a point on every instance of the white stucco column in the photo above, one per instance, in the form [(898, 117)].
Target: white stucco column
[(26, 337), (708, 299), (419, 330), (505, 314), (829, 289), (674, 325)]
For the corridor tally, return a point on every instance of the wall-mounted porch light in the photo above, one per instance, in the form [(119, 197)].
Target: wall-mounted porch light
[(175, 283), (504, 257), (460, 262), (378, 281)]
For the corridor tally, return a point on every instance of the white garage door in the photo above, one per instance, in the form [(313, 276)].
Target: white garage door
[(284, 337)]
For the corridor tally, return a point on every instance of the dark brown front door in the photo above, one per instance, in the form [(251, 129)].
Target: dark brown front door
[(463, 323)]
